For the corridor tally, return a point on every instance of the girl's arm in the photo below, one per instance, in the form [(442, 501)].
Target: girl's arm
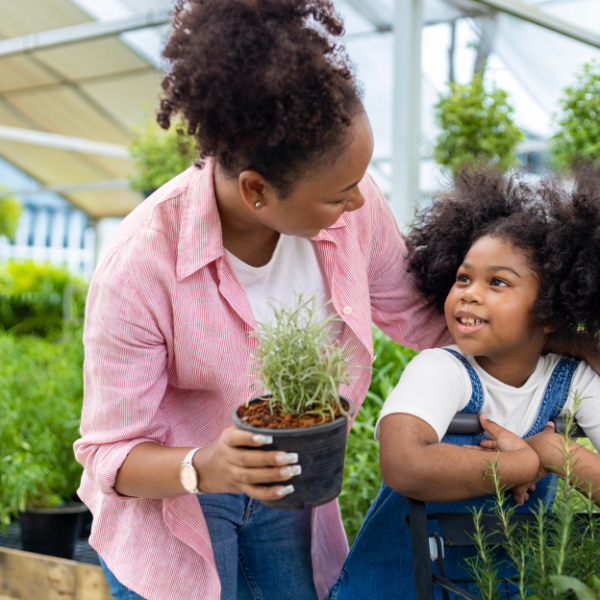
[(553, 450), (416, 464)]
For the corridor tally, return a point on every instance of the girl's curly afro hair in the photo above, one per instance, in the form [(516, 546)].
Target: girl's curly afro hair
[(260, 84), (555, 222)]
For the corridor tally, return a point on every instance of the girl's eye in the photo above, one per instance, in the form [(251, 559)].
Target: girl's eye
[(498, 282), (462, 279)]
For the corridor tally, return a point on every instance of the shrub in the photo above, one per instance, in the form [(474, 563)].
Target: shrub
[(297, 363), (10, 211), (558, 552), (578, 138), (476, 127), (41, 392), (159, 155), (362, 476), (35, 296)]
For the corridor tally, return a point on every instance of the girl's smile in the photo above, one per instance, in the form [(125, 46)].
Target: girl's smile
[(489, 307)]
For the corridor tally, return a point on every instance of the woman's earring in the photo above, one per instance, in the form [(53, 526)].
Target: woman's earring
[(257, 204)]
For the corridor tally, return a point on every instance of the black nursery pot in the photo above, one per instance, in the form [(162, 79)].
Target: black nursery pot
[(52, 531), (321, 450)]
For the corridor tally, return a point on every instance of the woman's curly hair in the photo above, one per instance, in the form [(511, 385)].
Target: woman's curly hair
[(555, 222), (260, 84)]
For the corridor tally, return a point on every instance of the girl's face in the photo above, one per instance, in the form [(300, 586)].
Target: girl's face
[(488, 309)]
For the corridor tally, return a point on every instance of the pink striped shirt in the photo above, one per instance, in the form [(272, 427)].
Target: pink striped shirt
[(166, 355)]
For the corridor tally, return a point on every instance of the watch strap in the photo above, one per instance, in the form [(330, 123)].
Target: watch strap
[(188, 461)]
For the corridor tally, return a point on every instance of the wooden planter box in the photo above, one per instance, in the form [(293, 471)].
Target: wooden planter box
[(28, 576)]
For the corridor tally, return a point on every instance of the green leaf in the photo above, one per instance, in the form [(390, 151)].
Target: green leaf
[(563, 584)]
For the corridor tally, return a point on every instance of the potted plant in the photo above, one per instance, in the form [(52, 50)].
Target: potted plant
[(578, 137), (302, 369), (477, 127), (40, 403), (158, 155)]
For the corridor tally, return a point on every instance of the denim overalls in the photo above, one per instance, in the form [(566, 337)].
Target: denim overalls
[(379, 566)]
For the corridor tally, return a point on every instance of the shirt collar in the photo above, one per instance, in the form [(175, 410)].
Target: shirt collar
[(200, 234)]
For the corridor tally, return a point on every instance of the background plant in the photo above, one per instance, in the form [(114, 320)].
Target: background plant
[(477, 126), (34, 297), (555, 556), (298, 363), (41, 393), (10, 211), (362, 476), (158, 155), (578, 137)]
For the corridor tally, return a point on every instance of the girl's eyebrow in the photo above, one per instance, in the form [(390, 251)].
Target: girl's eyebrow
[(499, 268), (493, 268)]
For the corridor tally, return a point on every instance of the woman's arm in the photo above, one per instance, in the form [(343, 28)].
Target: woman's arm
[(416, 464)]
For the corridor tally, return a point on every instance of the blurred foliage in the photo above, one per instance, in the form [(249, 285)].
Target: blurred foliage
[(578, 138), (10, 211), (35, 296), (41, 394), (159, 155), (362, 476), (477, 127)]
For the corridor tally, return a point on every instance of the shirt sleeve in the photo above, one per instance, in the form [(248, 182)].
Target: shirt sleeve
[(398, 307), (433, 387), (586, 383), (125, 376)]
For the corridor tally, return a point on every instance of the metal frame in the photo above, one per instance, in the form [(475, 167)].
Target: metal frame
[(82, 33)]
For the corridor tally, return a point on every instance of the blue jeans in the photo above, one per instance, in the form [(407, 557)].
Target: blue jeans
[(261, 553)]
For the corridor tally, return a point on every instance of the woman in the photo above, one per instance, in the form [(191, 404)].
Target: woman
[(281, 204)]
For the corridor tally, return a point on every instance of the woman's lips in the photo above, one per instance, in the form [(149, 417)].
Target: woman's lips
[(469, 329)]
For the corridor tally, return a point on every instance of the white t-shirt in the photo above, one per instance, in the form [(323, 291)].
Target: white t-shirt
[(294, 268), (435, 386)]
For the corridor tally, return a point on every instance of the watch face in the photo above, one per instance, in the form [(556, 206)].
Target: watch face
[(189, 477)]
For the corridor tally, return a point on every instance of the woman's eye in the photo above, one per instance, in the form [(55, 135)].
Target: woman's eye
[(344, 200), (498, 282)]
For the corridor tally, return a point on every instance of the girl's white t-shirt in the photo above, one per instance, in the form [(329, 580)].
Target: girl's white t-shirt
[(435, 386), (295, 268)]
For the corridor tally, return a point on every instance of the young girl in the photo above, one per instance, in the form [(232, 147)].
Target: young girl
[(509, 264)]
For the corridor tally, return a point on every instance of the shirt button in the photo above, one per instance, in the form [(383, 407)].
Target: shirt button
[(347, 310)]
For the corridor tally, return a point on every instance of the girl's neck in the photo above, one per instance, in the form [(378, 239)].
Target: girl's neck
[(513, 366)]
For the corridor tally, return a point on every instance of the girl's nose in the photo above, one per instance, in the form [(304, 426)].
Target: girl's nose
[(472, 294)]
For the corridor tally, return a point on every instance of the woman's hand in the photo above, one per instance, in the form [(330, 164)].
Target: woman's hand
[(228, 466)]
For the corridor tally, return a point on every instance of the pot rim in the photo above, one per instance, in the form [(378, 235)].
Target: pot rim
[(65, 509), (313, 430)]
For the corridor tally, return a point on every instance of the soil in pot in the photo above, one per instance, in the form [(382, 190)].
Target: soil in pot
[(321, 448), (52, 531)]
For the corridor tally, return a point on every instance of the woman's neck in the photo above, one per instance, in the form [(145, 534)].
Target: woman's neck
[(243, 236)]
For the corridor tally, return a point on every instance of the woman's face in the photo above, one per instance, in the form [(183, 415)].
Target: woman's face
[(488, 309), (318, 201)]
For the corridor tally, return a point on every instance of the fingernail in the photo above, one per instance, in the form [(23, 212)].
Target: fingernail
[(291, 471), (288, 489), (484, 416), (287, 458), (259, 438)]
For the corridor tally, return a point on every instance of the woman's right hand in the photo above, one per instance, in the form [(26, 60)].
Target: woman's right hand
[(229, 466)]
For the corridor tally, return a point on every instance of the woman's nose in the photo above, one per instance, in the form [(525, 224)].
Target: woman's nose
[(355, 201)]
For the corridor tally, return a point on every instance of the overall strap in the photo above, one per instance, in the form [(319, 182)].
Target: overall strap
[(474, 406), (556, 394), (476, 401)]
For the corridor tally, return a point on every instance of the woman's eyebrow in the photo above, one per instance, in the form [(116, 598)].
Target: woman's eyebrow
[(349, 187), (499, 268)]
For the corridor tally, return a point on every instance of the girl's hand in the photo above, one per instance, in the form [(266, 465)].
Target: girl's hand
[(521, 492), (501, 439), (228, 466)]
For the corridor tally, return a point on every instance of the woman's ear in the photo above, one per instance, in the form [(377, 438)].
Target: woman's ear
[(253, 189)]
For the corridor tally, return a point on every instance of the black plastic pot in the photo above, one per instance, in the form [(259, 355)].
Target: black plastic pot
[(52, 531), (321, 450)]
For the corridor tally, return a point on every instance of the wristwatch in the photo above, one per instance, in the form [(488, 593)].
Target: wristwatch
[(188, 474)]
